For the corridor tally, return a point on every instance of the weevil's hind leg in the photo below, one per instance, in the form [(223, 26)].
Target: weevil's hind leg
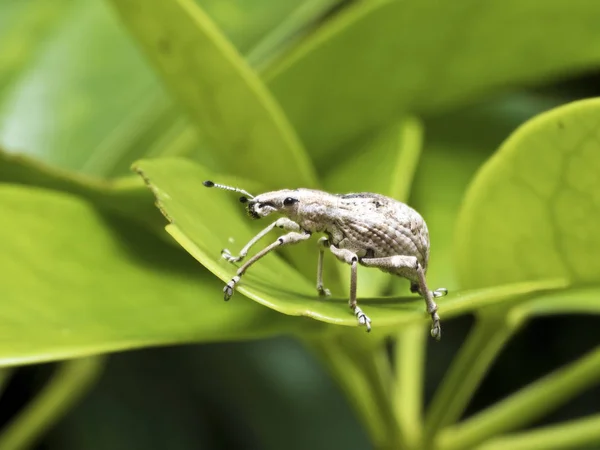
[(350, 258), (323, 243), (283, 223), (286, 239), (363, 319), (409, 265)]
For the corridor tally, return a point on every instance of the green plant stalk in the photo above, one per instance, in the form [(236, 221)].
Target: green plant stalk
[(71, 381), (288, 32), (408, 389), (410, 147), (365, 376), (526, 405), (567, 435), (487, 338)]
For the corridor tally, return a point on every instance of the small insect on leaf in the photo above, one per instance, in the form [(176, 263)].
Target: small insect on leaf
[(397, 241)]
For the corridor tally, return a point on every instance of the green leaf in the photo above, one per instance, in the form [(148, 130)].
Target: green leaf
[(74, 91), (127, 197), (234, 111), (457, 144), (532, 211), (380, 58), (204, 221), (77, 282)]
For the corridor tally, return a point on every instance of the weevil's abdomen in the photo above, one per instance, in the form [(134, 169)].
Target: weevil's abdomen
[(375, 226)]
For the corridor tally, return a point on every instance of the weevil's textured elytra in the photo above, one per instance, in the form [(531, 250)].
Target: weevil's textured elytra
[(364, 228)]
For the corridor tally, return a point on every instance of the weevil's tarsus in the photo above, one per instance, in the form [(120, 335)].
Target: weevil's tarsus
[(286, 239), (210, 184), (323, 244)]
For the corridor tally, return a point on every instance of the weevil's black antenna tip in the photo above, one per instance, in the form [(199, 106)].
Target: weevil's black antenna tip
[(243, 199), (209, 184)]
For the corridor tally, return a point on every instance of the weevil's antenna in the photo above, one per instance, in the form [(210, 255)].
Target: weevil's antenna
[(209, 184)]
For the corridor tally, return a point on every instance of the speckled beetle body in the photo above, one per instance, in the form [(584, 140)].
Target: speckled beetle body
[(361, 228)]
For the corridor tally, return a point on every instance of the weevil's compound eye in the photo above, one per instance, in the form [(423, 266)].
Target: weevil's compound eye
[(289, 201)]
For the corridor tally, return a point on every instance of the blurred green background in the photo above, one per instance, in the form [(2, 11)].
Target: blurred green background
[(83, 96)]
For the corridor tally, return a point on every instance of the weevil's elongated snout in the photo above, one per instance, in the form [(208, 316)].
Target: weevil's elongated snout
[(251, 208)]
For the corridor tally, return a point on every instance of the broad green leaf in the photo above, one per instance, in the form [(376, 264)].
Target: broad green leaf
[(77, 282), (381, 58), (457, 144), (76, 91), (532, 211), (242, 123), (204, 221), (127, 197)]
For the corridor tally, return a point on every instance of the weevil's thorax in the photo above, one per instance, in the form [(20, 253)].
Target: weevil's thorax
[(376, 226)]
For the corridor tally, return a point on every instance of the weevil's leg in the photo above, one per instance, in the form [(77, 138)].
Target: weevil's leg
[(395, 264), (323, 243), (350, 258), (283, 222), (286, 239)]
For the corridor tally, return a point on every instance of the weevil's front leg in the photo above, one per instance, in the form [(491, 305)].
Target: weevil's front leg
[(323, 243), (350, 258), (283, 223), (286, 239), (400, 264)]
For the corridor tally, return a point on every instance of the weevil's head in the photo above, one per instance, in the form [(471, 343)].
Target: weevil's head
[(284, 202)]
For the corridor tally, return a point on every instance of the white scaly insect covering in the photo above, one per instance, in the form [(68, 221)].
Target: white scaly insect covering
[(363, 228)]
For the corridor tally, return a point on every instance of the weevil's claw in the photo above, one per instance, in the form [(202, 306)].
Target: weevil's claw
[(229, 287), (227, 292), (226, 255), (440, 292), (323, 292), (436, 331), (363, 319)]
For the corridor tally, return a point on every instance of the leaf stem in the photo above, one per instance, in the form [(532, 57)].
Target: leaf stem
[(567, 435), (527, 404), (408, 395), (487, 338), (409, 152), (364, 374), (71, 381)]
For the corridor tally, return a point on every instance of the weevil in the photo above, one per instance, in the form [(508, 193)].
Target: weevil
[(360, 228)]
